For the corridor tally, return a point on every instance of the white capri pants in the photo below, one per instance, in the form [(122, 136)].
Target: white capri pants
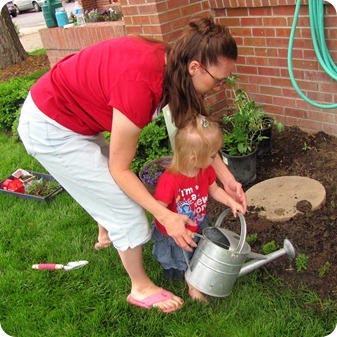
[(80, 164)]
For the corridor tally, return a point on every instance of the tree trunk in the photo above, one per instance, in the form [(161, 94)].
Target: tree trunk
[(11, 49)]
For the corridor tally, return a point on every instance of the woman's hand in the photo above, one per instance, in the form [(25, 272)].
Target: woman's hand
[(175, 227)]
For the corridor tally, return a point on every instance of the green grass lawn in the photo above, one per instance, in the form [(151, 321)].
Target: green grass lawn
[(90, 302)]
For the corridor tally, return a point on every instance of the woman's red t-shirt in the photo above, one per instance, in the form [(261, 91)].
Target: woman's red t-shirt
[(82, 89)]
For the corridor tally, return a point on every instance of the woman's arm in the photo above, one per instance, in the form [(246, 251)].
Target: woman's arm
[(123, 144), (231, 186)]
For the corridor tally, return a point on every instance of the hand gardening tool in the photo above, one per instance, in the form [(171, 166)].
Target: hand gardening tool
[(55, 266)]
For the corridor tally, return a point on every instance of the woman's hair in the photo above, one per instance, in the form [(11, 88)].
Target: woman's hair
[(203, 41), (200, 138)]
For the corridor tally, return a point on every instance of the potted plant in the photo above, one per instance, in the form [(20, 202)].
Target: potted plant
[(247, 134), (151, 172), (259, 123), (239, 151)]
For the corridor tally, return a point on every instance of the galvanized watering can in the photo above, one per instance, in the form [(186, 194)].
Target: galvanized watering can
[(220, 258)]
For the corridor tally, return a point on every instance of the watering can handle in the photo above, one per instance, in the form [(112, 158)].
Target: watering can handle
[(243, 229)]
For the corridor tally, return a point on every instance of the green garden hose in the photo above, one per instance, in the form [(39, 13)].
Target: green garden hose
[(318, 38)]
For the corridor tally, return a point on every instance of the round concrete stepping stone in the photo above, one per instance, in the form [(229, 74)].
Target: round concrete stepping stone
[(278, 198)]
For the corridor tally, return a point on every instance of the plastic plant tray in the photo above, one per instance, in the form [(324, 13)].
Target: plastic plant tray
[(38, 175)]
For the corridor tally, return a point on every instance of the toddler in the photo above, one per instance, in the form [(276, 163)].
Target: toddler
[(184, 188)]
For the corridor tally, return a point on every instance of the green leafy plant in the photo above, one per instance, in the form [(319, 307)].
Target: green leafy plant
[(269, 247), (306, 147), (12, 95), (323, 270), (42, 187), (301, 262), (153, 143), (237, 138), (242, 129), (251, 239)]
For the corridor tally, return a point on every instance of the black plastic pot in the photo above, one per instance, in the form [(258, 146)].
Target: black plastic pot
[(243, 168), (264, 146)]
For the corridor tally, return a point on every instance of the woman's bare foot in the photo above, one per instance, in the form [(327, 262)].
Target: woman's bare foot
[(99, 245), (103, 238), (196, 295)]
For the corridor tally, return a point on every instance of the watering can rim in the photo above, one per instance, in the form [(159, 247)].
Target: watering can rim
[(230, 235), (242, 241)]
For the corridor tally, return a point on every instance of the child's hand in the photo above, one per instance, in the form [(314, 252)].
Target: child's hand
[(234, 189), (227, 199), (235, 207)]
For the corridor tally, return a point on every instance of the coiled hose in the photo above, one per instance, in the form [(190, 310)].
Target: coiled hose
[(316, 16)]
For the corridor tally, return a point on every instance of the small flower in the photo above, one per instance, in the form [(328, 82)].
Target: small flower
[(153, 170), (108, 15)]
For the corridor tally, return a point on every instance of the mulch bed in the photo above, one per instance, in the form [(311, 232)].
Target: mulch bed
[(314, 234)]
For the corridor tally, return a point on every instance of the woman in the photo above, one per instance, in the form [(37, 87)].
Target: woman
[(117, 86)]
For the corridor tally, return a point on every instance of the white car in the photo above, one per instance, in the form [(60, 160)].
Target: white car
[(26, 5)]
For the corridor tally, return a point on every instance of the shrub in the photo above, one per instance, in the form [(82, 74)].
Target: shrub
[(12, 95), (153, 143)]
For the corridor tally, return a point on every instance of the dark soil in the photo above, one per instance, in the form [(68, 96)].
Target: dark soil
[(32, 64), (314, 234)]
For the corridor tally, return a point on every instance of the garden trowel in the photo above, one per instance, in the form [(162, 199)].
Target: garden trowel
[(55, 266)]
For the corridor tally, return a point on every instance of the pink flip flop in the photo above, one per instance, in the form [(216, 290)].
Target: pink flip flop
[(149, 301)]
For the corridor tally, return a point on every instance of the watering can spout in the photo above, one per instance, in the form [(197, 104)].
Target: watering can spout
[(260, 260)]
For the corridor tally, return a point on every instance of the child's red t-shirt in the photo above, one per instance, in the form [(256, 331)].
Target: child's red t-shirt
[(185, 195)]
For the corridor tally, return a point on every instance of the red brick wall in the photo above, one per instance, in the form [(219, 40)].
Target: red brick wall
[(160, 19), (59, 42), (261, 29)]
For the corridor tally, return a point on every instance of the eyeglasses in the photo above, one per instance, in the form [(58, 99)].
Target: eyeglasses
[(217, 81)]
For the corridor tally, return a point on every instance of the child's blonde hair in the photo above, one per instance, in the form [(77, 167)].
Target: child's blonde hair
[(200, 138)]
